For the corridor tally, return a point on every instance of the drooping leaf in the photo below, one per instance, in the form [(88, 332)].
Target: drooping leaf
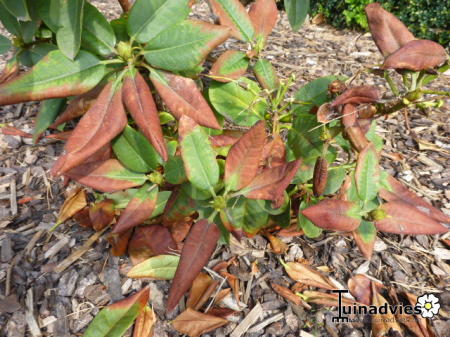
[(185, 45), (139, 102), (297, 10), (232, 14), (402, 218), (310, 230), (274, 152), (242, 106), (308, 275), (115, 319), (365, 236), (358, 95), (388, 32), (416, 55), (97, 36), (101, 214), (247, 214), (244, 157), (266, 74), (46, 116), (320, 176), (5, 44), (31, 56), (145, 322), (264, 16), (231, 65), (198, 248), (194, 323), (102, 122), (106, 176), (160, 267), (9, 21), (198, 156), (139, 208), (70, 22), (18, 8), (54, 76), (367, 174), (357, 137), (333, 214), (227, 138), (74, 203), (183, 97), (271, 183), (148, 241), (135, 152), (148, 18)]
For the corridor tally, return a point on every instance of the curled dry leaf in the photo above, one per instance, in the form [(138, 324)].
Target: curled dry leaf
[(349, 115), (200, 285), (74, 203), (106, 176), (148, 241), (388, 32), (231, 65), (308, 275), (324, 113), (274, 153), (334, 214), (287, 294), (330, 300), (102, 122), (145, 323), (399, 217), (358, 95), (244, 157), (264, 16), (82, 217), (383, 324), (161, 267), (139, 102), (119, 242), (320, 176), (102, 214), (278, 246), (357, 137), (194, 323), (198, 248), (416, 55), (360, 287), (182, 97)]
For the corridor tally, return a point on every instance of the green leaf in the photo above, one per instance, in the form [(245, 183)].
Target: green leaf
[(174, 171), (372, 136), (161, 267), (266, 75), (9, 21), (49, 13), (283, 219), (335, 179), (53, 77), (297, 10), (29, 57), (185, 45), (310, 230), (232, 14), (115, 319), (230, 66), (135, 152), (198, 155), (195, 193), (365, 236), (119, 27), (163, 197), (5, 44), (148, 18), (18, 8), (367, 174), (70, 20), (46, 116), (242, 106), (248, 214), (98, 36)]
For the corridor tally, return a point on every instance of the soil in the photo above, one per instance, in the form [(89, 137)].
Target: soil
[(35, 300)]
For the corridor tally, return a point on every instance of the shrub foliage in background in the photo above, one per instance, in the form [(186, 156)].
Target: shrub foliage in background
[(426, 19), (142, 110)]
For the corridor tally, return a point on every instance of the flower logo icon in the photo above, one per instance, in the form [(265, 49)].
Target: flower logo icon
[(429, 304)]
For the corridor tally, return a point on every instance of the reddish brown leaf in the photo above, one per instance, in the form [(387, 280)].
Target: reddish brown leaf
[(194, 323), (403, 218), (119, 242), (388, 32), (139, 102), (274, 153), (82, 217), (264, 16), (222, 312), (360, 287), (103, 121), (287, 294), (278, 246), (402, 193), (148, 241), (244, 156), (366, 247), (229, 66), (200, 285), (13, 131), (320, 176), (357, 137), (271, 183), (145, 323), (349, 115), (78, 106), (105, 176), (74, 203), (358, 95), (420, 326), (416, 55), (324, 113), (182, 97), (102, 214), (140, 298), (102, 154), (139, 209), (333, 214), (228, 138), (382, 324), (198, 248), (308, 275)]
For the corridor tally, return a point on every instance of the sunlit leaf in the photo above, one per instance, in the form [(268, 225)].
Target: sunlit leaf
[(200, 285), (145, 322), (70, 22), (247, 214), (367, 174), (232, 14), (30, 56), (160, 267), (297, 10), (358, 95), (194, 323), (310, 230), (264, 16), (231, 65), (266, 74), (382, 324), (308, 275)]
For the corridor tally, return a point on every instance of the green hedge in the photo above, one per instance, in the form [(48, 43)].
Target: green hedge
[(427, 19)]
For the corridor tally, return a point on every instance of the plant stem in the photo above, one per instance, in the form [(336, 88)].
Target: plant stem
[(436, 92), (391, 83)]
